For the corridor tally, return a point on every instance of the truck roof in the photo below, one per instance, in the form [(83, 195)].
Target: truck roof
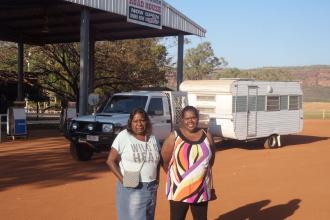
[(141, 93)]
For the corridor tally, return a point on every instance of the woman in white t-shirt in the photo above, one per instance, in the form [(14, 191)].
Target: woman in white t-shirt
[(135, 148)]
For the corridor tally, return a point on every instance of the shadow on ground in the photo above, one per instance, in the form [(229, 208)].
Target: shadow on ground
[(255, 211), (31, 134), (44, 162), (287, 141)]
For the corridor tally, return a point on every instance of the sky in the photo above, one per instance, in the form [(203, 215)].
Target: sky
[(262, 33)]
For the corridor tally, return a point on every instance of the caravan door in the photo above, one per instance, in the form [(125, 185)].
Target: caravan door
[(252, 111)]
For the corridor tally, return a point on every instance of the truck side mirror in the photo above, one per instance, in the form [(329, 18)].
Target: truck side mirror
[(93, 99)]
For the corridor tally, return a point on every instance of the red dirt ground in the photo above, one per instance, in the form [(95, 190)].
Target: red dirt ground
[(39, 180)]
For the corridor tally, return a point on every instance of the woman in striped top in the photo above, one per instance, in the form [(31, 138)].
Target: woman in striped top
[(188, 155)]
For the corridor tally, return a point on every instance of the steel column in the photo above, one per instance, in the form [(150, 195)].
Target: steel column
[(179, 72), (20, 72), (91, 63), (84, 60)]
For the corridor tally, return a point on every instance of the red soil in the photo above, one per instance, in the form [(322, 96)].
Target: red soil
[(39, 180)]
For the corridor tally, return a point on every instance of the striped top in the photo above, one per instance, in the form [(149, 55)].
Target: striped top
[(189, 176)]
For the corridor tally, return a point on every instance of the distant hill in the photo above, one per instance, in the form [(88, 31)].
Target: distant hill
[(315, 79)]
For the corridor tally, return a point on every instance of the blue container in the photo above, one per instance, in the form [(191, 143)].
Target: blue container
[(20, 127)]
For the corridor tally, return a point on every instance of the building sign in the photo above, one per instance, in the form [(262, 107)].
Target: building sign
[(145, 12)]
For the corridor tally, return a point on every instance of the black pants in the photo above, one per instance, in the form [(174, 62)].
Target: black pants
[(179, 210)]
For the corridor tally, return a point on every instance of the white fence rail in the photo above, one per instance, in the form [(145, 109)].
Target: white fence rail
[(317, 114)]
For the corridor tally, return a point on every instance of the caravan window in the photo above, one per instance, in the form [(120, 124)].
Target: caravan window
[(293, 102), (273, 103), (284, 102), (252, 103), (239, 103), (261, 103), (300, 102)]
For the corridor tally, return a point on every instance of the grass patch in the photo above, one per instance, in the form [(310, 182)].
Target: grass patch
[(316, 115)]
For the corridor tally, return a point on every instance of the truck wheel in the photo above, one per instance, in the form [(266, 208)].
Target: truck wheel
[(271, 142), (81, 152)]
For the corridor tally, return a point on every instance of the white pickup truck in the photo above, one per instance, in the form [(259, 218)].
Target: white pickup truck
[(95, 133)]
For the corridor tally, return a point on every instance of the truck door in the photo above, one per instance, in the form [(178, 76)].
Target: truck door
[(252, 111), (160, 119)]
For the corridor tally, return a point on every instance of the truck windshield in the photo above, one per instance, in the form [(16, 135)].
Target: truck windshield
[(125, 104)]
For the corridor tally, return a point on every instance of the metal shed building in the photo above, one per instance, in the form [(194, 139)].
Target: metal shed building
[(59, 21)]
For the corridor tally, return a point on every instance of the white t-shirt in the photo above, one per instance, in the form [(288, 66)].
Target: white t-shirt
[(132, 152)]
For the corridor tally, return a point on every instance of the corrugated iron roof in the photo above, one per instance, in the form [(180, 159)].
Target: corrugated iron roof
[(172, 18), (58, 21)]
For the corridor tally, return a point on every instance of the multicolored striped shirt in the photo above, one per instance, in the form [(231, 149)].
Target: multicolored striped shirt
[(189, 176)]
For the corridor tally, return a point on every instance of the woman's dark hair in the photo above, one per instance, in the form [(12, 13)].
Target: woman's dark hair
[(190, 108), (144, 115)]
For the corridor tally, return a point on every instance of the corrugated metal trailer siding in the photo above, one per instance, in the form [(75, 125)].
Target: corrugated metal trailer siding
[(172, 18), (279, 88), (287, 122), (268, 122), (240, 125), (233, 123)]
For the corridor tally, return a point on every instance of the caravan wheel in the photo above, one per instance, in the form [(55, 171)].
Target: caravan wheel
[(271, 142)]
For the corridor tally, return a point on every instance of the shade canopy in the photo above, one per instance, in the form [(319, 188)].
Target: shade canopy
[(58, 21), (39, 22)]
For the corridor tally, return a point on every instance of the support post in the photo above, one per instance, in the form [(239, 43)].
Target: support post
[(20, 73), (179, 72), (91, 77), (91, 63), (0, 128), (84, 60)]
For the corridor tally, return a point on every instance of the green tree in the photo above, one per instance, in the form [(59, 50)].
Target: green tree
[(267, 74), (228, 73), (199, 62), (8, 75), (131, 64), (120, 65), (57, 69), (8, 56)]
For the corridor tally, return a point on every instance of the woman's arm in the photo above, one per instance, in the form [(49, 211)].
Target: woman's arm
[(212, 146), (167, 150), (113, 163)]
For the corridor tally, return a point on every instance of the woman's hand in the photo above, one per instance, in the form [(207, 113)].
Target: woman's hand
[(212, 146), (113, 163), (167, 150)]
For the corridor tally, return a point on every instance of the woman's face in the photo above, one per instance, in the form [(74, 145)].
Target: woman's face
[(190, 120), (139, 124)]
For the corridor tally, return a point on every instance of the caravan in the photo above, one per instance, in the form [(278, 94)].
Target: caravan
[(246, 109)]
